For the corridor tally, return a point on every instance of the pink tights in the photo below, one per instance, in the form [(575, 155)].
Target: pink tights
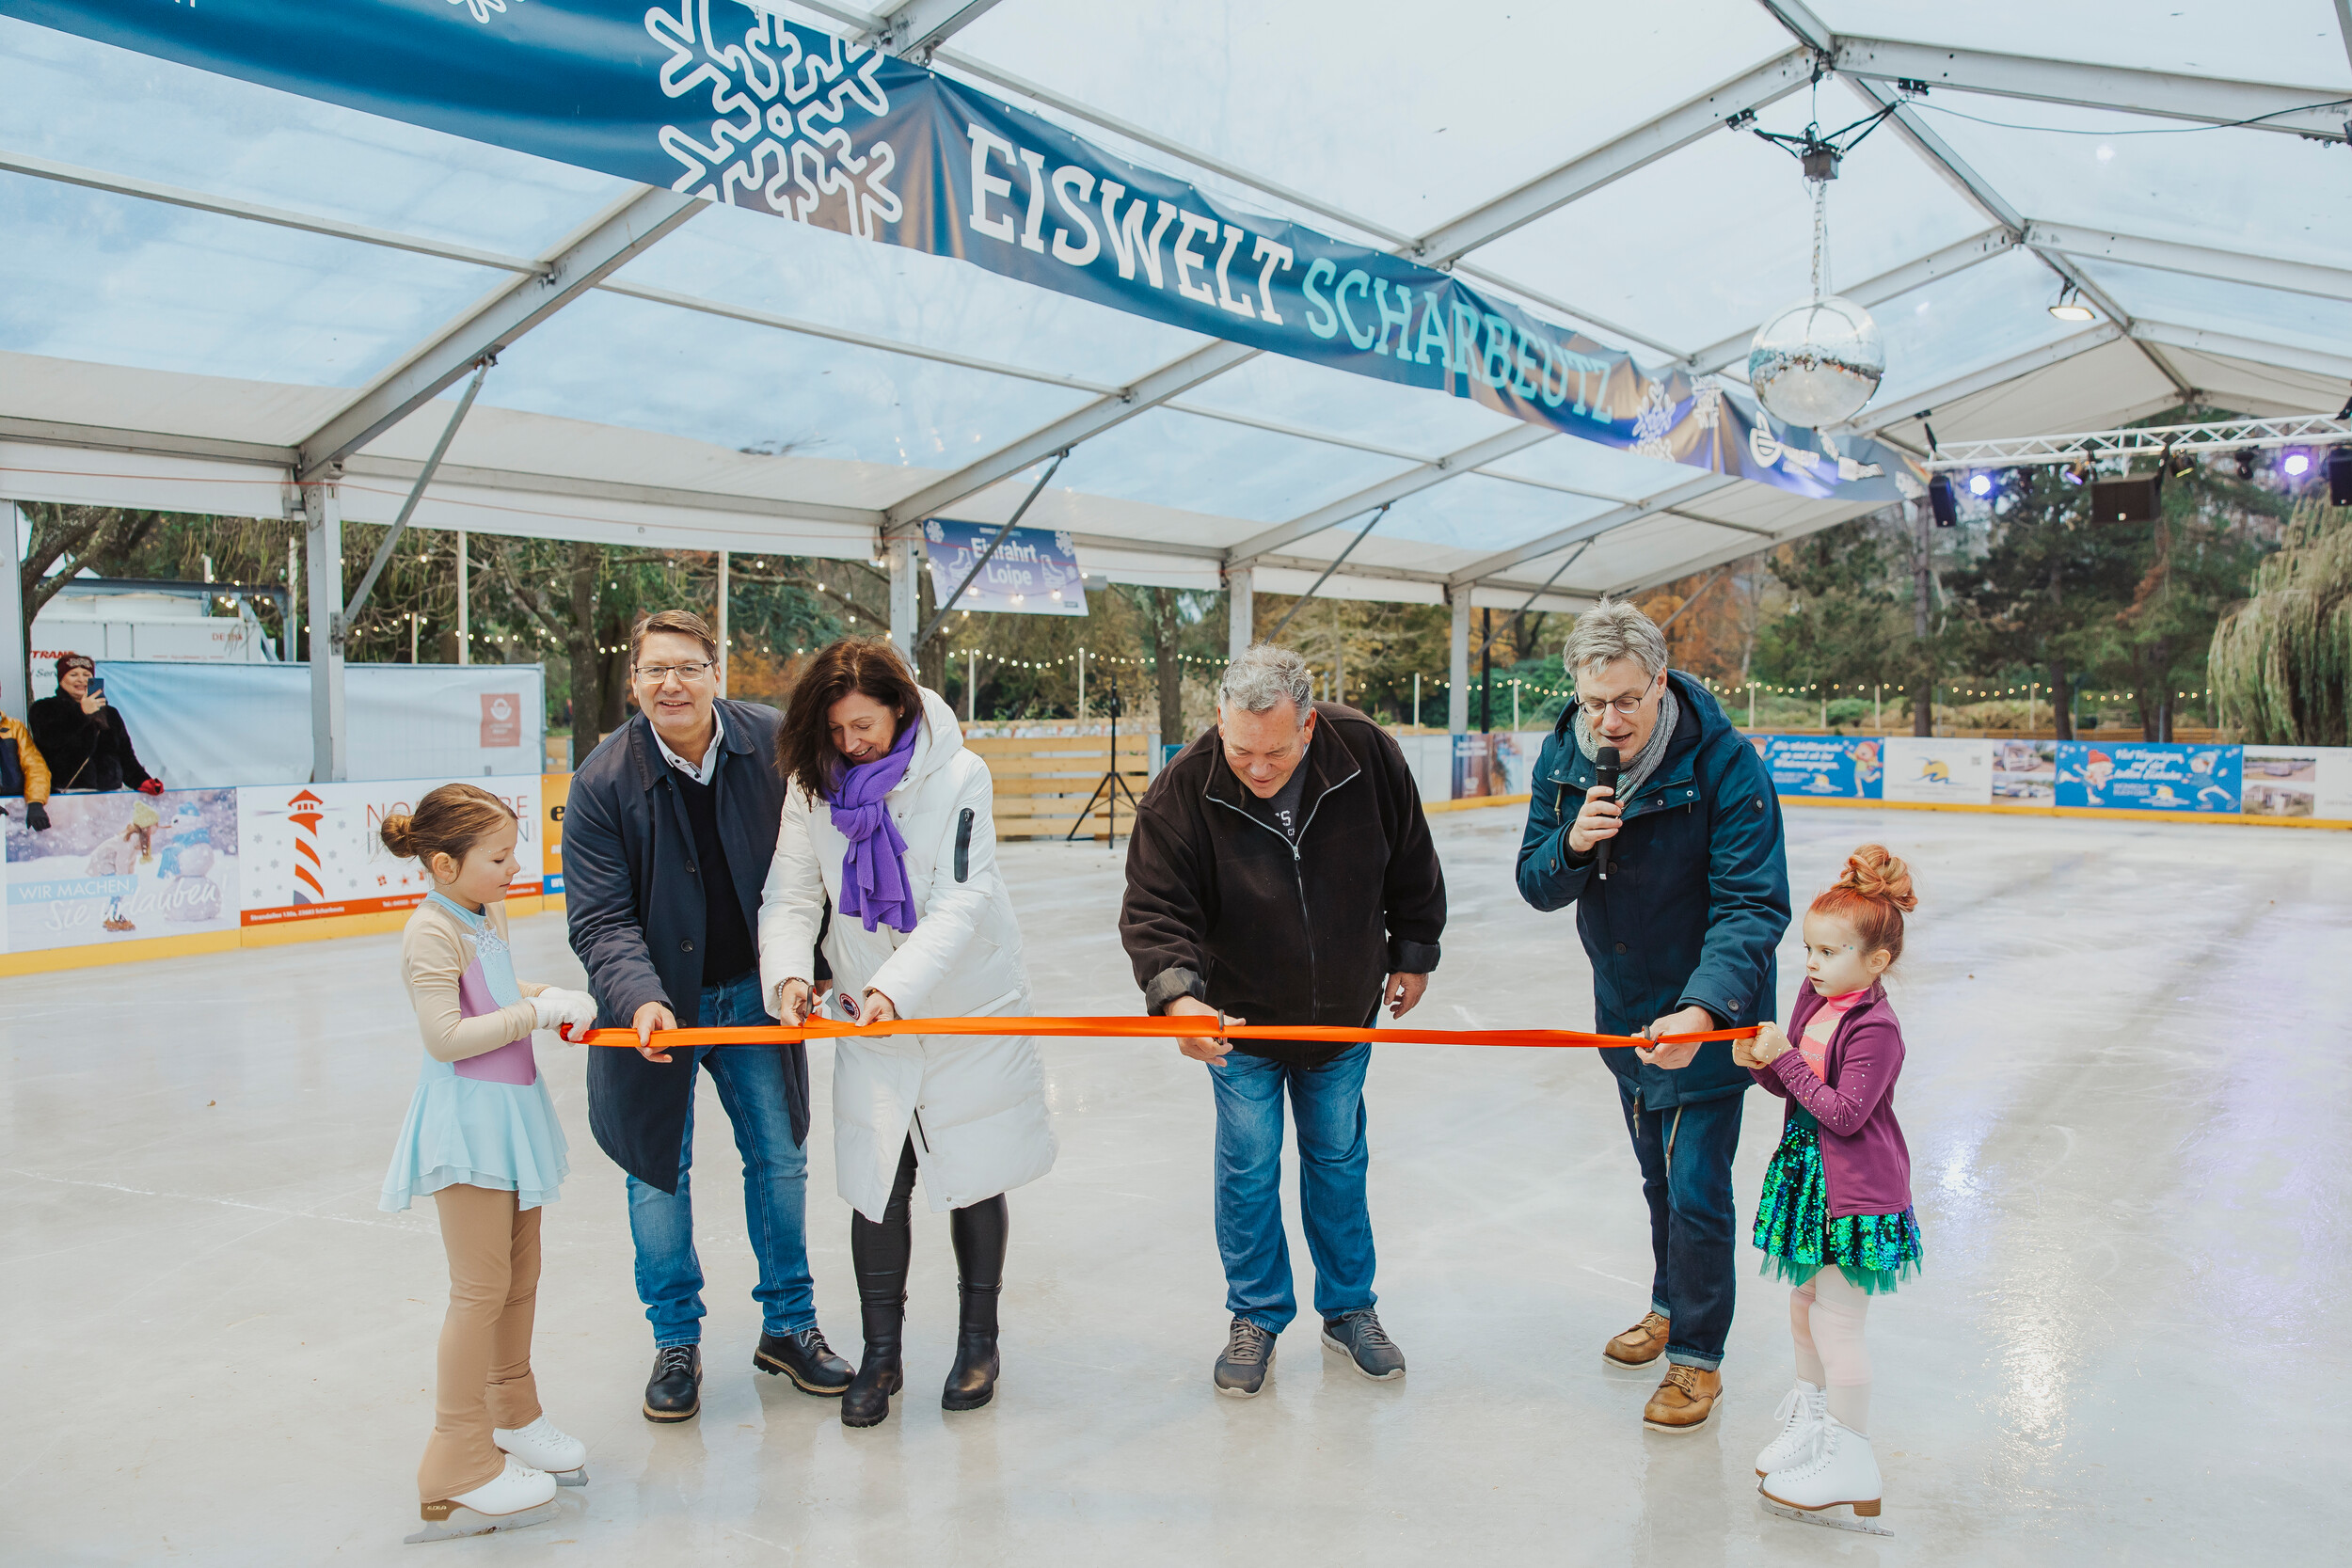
[(1825, 1319)]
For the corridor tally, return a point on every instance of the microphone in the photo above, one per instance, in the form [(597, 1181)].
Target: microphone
[(1604, 772)]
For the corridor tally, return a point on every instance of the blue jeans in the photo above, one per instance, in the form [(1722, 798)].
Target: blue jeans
[(1327, 1106), (1685, 1154), (775, 1187)]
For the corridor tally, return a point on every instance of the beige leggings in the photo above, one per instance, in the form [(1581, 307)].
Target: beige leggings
[(1825, 1319), (483, 1378)]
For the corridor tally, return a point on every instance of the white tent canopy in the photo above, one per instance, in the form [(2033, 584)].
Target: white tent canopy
[(214, 287)]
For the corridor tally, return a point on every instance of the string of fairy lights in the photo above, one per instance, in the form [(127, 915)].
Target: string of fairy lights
[(1944, 692), (1086, 658)]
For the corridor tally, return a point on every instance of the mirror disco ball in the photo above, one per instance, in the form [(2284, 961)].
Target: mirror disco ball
[(1816, 363)]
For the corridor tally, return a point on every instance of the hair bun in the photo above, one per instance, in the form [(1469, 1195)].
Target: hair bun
[(399, 834), (1874, 872)]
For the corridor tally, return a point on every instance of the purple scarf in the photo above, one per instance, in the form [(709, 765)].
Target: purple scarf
[(874, 872)]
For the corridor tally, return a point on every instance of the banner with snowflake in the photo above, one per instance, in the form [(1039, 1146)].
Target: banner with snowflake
[(733, 104), (1033, 571)]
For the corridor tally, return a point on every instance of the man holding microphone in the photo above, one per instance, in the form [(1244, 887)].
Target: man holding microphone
[(1681, 892)]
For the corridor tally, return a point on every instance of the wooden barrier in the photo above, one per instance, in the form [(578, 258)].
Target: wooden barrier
[(1042, 782)]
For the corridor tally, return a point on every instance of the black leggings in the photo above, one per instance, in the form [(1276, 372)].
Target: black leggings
[(881, 1251)]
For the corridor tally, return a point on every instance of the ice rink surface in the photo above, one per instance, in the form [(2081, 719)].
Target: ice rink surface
[(2126, 1100)]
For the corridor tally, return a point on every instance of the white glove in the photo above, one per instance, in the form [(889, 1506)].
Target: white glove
[(555, 1007)]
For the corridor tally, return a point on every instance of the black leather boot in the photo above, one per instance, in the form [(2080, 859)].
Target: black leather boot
[(867, 1401), (980, 1232), (879, 1253), (673, 1393), (806, 1359)]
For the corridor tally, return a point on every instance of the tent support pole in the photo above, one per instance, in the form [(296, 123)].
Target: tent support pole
[(16, 677), (464, 598), (345, 617), (906, 592), (1457, 664), (1381, 512), (323, 530)]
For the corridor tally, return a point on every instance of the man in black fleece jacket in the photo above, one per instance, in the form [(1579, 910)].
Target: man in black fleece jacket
[(1281, 872)]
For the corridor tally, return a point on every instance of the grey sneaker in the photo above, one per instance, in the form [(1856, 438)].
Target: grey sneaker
[(1358, 1336), (1241, 1371)]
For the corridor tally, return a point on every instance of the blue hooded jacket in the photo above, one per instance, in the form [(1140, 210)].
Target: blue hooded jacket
[(1696, 898)]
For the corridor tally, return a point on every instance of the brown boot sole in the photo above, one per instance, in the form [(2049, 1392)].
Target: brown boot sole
[(1693, 1426), (1615, 1360), (774, 1368)]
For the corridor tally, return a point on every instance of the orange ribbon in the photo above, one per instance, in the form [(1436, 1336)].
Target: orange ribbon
[(1127, 1026)]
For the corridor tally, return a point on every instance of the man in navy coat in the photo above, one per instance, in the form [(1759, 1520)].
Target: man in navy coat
[(1680, 934), (667, 836)]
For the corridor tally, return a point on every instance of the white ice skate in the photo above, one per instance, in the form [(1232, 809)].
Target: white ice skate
[(518, 1496), (545, 1446), (1800, 1412), (1841, 1473)]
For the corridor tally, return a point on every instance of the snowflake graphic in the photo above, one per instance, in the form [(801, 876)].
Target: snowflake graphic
[(781, 138), (482, 9), (933, 531), (1706, 402), (1651, 424)]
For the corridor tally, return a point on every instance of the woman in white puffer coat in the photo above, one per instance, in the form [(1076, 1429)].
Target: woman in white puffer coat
[(888, 849)]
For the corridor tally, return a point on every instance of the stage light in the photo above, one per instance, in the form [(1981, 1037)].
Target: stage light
[(2070, 306), (1980, 486), (2296, 466), (2246, 456)]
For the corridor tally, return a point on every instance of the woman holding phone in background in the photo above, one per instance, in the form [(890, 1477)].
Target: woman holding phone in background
[(83, 739)]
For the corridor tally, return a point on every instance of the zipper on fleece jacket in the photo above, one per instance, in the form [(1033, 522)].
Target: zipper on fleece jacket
[(1298, 870)]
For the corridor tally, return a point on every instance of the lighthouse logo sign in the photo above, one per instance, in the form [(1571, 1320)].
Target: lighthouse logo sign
[(305, 812), (319, 851)]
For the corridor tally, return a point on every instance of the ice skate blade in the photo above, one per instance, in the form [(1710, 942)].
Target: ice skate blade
[(464, 1521), (571, 1478), (1836, 1516)]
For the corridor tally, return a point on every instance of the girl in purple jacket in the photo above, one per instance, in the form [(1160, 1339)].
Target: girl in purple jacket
[(1835, 1218)]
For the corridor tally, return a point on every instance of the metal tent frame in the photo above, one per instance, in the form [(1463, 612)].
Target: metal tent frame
[(1256, 475)]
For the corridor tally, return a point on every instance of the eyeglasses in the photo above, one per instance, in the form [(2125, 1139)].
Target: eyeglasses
[(1626, 707), (655, 675)]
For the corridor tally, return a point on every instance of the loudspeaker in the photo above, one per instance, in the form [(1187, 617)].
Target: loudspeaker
[(2339, 476), (1940, 503), (2126, 500)]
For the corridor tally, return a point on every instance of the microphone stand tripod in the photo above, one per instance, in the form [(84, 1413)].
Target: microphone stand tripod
[(1112, 785)]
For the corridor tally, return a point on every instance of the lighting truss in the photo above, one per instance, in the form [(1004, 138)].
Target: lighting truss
[(2310, 430)]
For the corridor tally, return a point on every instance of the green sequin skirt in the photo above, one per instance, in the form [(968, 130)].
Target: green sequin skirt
[(1875, 1252)]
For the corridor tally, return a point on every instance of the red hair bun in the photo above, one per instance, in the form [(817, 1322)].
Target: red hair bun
[(1873, 872), (1872, 895)]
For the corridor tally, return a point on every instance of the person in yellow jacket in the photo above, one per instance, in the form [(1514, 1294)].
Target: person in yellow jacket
[(35, 783)]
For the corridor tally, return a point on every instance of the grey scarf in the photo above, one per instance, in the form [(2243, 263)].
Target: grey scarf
[(1635, 772)]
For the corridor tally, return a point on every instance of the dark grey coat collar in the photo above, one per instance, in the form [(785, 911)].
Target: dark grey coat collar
[(734, 740)]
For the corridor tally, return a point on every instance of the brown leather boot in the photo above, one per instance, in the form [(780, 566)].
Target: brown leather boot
[(1640, 1345), (1684, 1401)]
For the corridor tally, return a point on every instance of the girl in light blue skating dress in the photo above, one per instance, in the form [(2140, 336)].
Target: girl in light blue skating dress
[(485, 1120), (482, 1142)]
